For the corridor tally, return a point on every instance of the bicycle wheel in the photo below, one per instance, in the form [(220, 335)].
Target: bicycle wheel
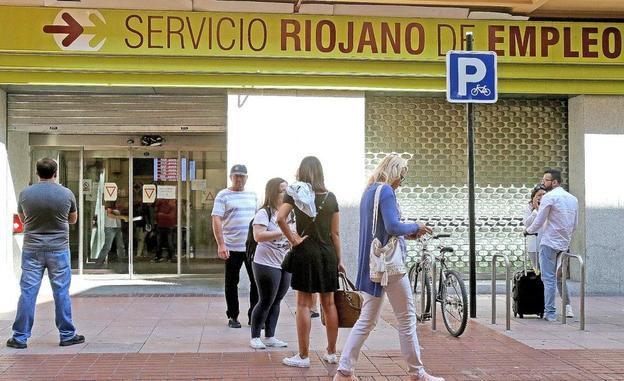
[(422, 303), (454, 303)]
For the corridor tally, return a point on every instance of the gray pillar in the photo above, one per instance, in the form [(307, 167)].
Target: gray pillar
[(596, 138)]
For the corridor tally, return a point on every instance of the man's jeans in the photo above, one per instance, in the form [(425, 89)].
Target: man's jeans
[(110, 235), (550, 265), (59, 272)]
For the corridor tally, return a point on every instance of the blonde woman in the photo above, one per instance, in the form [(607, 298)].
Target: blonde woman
[(389, 175)]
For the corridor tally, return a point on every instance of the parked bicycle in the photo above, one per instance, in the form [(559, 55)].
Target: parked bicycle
[(451, 290)]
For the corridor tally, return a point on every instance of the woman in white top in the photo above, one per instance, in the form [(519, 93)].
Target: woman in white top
[(532, 244), (271, 280)]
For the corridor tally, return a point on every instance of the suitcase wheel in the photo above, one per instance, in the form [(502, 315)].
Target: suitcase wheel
[(515, 314), (521, 316), (541, 316)]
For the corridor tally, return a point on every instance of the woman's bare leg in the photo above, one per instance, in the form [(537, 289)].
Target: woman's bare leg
[(331, 320), (304, 302)]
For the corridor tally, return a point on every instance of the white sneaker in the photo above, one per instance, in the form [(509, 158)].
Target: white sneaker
[(296, 361), (330, 358), (274, 342), (256, 343), (550, 319), (569, 313)]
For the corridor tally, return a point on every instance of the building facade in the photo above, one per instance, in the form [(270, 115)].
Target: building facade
[(96, 88)]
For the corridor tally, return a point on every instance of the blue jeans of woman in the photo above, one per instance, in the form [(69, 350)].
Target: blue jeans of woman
[(59, 273)]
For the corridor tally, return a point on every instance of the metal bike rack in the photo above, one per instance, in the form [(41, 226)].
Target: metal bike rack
[(564, 287), (507, 290)]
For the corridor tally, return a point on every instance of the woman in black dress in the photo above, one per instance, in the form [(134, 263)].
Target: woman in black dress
[(315, 260)]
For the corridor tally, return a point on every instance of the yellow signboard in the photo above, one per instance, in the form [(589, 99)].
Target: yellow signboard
[(172, 33)]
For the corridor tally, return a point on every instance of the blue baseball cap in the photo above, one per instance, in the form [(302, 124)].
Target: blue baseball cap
[(238, 169)]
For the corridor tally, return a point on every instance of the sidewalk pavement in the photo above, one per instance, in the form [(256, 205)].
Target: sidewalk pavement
[(164, 337)]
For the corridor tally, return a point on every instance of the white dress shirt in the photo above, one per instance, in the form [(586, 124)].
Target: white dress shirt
[(558, 216)]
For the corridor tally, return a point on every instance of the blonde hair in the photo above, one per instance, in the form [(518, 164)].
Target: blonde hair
[(389, 170)]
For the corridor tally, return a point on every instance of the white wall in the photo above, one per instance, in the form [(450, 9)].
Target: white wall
[(271, 133), (596, 157), (9, 252)]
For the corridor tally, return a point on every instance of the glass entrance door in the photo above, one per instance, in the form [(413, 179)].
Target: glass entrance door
[(158, 235), (204, 174), (105, 220)]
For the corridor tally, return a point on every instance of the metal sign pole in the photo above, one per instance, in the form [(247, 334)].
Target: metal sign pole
[(471, 201)]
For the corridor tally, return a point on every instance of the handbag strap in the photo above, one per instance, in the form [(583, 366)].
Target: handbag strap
[(376, 208), (347, 285)]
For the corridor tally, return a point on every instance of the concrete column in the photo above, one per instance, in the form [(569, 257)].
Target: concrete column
[(596, 136)]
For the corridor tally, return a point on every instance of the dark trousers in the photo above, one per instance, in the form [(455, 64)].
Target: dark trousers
[(165, 238), (273, 284), (232, 270)]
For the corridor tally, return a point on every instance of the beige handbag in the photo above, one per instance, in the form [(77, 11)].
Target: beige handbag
[(348, 303), (385, 260)]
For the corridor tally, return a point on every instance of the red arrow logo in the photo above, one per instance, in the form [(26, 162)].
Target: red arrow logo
[(73, 30)]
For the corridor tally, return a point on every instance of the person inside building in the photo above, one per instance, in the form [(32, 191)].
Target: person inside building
[(46, 209), (112, 233), (143, 224), (233, 209), (532, 241), (389, 175), (272, 281), (557, 218), (166, 218), (315, 259)]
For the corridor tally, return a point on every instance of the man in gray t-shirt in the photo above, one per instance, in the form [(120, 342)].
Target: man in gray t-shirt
[(46, 209)]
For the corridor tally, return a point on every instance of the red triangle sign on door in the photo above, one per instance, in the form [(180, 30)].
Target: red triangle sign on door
[(110, 192)]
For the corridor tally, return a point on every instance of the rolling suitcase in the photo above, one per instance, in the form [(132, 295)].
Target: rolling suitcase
[(528, 291)]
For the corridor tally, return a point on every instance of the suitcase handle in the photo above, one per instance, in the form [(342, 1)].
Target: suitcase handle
[(526, 234)]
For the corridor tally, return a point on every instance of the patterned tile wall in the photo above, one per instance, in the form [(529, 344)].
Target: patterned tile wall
[(515, 140)]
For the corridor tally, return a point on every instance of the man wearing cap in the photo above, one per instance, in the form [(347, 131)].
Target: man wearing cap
[(233, 209)]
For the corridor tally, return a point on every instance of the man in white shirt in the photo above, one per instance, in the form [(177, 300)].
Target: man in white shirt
[(558, 217), (233, 209)]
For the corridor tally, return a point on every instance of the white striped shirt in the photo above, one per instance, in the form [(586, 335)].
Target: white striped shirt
[(236, 209)]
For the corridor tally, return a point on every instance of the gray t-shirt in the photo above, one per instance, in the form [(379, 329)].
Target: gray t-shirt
[(271, 253), (46, 206)]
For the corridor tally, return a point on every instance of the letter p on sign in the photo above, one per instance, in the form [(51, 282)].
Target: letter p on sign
[(471, 77)]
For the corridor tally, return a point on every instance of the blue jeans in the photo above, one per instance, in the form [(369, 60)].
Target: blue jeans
[(110, 235), (550, 265), (59, 272)]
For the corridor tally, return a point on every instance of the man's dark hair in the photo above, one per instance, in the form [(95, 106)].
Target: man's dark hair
[(46, 168), (555, 174)]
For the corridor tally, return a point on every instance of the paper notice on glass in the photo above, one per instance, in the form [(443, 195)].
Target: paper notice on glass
[(198, 185), (166, 192)]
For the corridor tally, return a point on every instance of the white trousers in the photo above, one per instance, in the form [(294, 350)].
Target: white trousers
[(401, 300)]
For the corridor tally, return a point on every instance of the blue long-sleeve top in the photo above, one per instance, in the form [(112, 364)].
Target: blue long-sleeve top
[(388, 224)]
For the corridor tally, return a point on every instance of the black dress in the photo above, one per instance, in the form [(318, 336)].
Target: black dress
[(314, 262)]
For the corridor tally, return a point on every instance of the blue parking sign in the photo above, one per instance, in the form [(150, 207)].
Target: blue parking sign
[(471, 77)]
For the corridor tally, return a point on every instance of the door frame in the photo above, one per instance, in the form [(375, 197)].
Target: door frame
[(88, 143)]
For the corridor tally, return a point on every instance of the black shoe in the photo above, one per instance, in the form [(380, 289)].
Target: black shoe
[(77, 339), (233, 323), (314, 314), (12, 343)]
